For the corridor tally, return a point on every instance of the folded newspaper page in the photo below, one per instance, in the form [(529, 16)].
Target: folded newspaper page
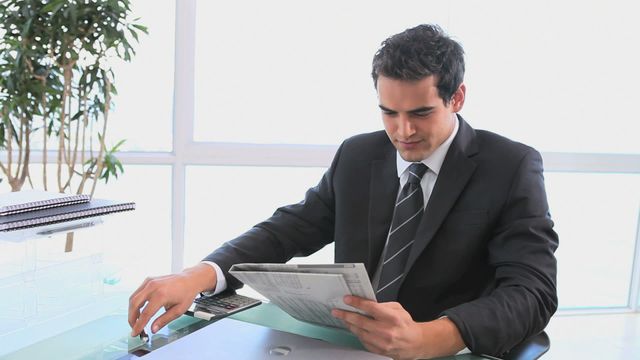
[(308, 292)]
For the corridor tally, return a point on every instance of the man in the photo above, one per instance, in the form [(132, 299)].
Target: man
[(451, 223)]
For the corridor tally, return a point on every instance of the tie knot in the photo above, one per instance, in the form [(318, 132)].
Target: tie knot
[(416, 171)]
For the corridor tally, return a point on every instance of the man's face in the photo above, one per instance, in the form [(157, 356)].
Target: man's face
[(415, 117)]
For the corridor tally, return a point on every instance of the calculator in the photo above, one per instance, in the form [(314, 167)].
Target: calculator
[(217, 306)]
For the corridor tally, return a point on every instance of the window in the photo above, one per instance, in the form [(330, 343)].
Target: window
[(302, 79), (543, 74), (144, 105), (596, 218), (223, 202)]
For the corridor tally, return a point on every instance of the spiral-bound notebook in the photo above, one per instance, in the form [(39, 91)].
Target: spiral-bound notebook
[(95, 207), (31, 200)]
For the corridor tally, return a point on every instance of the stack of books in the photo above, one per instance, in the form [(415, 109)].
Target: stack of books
[(49, 212)]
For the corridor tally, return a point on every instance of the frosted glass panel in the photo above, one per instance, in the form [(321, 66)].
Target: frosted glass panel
[(223, 202), (144, 105), (293, 71), (556, 75), (596, 218)]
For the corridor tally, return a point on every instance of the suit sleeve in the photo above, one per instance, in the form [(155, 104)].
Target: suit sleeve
[(521, 250), (294, 230)]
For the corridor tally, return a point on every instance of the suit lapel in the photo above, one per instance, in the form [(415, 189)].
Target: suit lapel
[(456, 171), (383, 193)]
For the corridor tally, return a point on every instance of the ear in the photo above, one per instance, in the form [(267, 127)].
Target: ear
[(457, 100)]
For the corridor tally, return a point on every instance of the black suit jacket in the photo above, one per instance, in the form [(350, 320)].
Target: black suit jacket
[(484, 251)]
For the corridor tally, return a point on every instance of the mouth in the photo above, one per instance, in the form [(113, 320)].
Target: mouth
[(408, 144)]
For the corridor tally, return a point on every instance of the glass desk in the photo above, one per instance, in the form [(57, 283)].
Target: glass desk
[(108, 337), (59, 305)]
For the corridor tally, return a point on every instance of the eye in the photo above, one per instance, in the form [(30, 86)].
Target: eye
[(421, 114)]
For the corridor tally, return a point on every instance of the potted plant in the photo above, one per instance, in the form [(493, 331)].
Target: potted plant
[(57, 87)]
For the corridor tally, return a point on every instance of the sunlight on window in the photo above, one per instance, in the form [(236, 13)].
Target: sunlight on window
[(144, 105), (532, 74), (596, 217), (302, 79), (223, 202)]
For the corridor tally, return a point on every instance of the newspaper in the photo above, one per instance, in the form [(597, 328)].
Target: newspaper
[(308, 292)]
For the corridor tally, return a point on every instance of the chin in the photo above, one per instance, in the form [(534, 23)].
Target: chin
[(412, 157)]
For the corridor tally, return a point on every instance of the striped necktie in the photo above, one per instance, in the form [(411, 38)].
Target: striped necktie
[(406, 218)]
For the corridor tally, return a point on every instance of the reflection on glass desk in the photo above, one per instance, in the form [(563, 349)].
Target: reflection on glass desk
[(108, 337), (104, 338)]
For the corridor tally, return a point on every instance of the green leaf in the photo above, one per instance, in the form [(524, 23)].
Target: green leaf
[(134, 34), (26, 27), (52, 7), (76, 115), (142, 28)]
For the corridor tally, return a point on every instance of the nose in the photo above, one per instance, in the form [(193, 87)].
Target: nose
[(406, 128)]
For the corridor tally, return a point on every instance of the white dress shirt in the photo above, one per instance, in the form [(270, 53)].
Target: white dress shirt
[(433, 162)]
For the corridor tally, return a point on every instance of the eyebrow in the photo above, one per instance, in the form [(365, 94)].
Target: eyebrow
[(417, 110)]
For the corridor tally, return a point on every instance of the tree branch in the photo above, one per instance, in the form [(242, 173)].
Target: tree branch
[(107, 101), (82, 103), (4, 169), (20, 146), (27, 153), (85, 121), (9, 137), (43, 103), (65, 98)]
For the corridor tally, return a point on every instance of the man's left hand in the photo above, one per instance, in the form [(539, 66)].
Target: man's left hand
[(391, 331)]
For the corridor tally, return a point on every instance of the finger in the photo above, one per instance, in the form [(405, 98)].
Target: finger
[(381, 311), (171, 314), (152, 307), (369, 340), (140, 297), (136, 302), (355, 319), (134, 314)]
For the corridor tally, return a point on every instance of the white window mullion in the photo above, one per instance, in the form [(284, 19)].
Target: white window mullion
[(591, 163), (182, 121), (223, 154)]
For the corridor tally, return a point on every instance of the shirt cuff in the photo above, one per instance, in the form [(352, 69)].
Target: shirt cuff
[(221, 283)]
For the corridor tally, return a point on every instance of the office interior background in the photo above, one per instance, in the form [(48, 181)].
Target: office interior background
[(257, 95)]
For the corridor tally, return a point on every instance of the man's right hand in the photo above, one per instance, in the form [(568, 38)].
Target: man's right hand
[(173, 292)]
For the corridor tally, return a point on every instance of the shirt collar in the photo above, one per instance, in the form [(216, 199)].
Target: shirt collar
[(435, 160)]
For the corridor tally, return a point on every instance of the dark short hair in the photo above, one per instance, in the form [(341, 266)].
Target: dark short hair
[(420, 52)]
